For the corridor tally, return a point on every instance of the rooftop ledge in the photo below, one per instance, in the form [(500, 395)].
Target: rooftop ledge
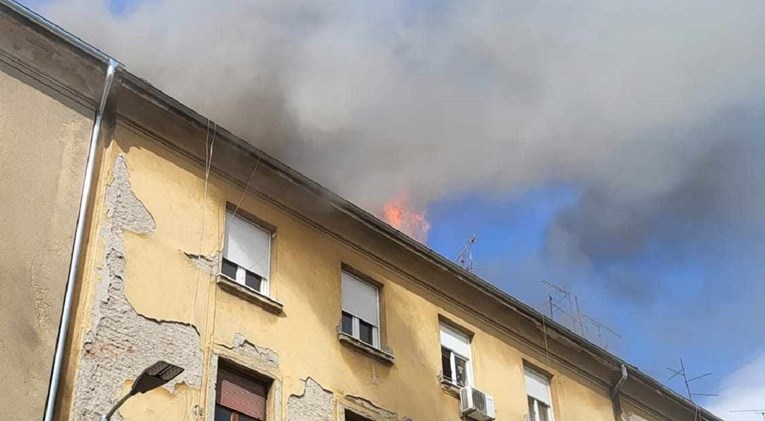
[(365, 348), (242, 291)]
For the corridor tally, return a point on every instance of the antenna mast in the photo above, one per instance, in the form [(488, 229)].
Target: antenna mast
[(465, 258), (682, 373), (580, 321)]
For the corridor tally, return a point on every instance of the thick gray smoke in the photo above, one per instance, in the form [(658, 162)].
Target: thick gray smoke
[(650, 108)]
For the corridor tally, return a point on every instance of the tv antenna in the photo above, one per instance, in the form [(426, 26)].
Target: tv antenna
[(579, 320), (465, 258), (752, 411), (684, 375), (576, 318)]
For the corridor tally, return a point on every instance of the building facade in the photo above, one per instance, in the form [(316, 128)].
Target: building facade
[(279, 299)]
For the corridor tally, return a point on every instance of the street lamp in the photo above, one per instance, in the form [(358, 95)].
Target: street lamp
[(152, 377)]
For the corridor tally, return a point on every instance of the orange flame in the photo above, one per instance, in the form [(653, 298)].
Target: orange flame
[(412, 223)]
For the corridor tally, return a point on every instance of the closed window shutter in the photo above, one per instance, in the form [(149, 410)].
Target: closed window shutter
[(455, 341), (360, 299), (247, 245), (538, 386), (241, 395)]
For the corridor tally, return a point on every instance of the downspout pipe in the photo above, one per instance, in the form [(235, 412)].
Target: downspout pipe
[(615, 393), (620, 382), (79, 239)]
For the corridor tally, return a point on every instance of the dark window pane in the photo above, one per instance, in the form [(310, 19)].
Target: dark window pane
[(347, 324), (532, 410), (222, 414), (544, 411), (460, 366), (243, 417), (350, 416), (365, 332), (446, 364), (252, 280), (228, 268)]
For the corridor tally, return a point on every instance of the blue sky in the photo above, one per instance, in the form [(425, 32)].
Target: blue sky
[(613, 147), (510, 252)]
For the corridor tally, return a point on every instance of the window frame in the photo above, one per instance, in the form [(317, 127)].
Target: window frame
[(241, 272), (356, 320), (247, 375), (469, 381), (535, 411)]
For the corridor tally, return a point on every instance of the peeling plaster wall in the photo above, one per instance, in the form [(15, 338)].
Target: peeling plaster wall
[(122, 342), (314, 404), (161, 238), (263, 356), (366, 408), (43, 149)]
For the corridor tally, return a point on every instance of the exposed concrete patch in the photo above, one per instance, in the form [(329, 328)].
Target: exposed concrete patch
[(249, 357), (264, 356), (209, 265), (121, 342), (315, 404), (368, 409)]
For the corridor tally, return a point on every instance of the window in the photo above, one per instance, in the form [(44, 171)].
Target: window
[(246, 253), (350, 416), (361, 310), (538, 391), (238, 398), (455, 357)]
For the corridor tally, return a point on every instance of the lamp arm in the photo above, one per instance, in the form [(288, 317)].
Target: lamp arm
[(116, 406)]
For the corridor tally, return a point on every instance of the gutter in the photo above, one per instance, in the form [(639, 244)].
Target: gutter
[(614, 393), (56, 30), (79, 239), (620, 382), (112, 67)]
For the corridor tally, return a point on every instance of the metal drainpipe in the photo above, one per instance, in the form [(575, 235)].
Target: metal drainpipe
[(615, 392), (79, 233)]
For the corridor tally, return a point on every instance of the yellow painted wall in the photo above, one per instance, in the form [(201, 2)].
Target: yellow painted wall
[(162, 283), (43, 149)]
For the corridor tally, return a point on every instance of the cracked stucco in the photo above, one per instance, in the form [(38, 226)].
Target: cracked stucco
[(264, 356), (366, 408), (207, 264), (121, 342), (315, 404)]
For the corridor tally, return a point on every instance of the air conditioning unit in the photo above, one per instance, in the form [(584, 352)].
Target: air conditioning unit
[(476, 405)]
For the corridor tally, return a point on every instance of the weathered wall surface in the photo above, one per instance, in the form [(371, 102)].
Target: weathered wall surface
[(157, 216), (43, 149)]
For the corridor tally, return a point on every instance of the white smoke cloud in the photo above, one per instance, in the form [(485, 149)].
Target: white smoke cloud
[(653, 111), (434, 99), (742, 390)]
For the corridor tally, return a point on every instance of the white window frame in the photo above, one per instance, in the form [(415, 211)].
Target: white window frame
[(452, 353), (241, 272), (535, 401), (355, 320)]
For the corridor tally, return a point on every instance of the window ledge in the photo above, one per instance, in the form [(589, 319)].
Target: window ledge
[(229, 285), (450, 388), (365, 348)]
